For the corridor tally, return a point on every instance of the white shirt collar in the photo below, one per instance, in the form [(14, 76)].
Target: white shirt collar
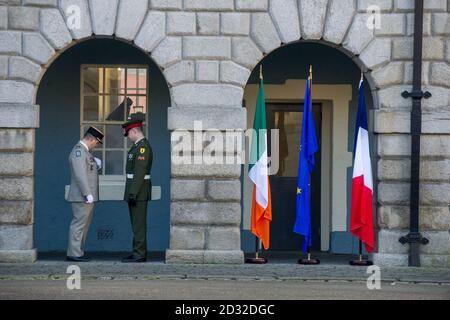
[(84, 144), (138, 141)]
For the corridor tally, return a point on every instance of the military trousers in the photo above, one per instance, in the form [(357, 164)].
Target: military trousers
[(82, 217), (138, 217)]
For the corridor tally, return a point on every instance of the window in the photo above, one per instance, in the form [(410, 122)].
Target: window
[(109, 93)]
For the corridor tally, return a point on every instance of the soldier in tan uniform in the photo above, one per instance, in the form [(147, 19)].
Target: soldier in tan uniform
[(83, 192)]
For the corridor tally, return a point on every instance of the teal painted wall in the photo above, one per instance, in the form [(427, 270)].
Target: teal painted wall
[(59, 100), (330, 66)]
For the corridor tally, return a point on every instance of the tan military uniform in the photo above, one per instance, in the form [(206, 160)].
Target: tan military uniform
[(84, 181)]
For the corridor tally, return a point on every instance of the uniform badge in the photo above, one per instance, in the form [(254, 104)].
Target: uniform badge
[(78, 153), (141, 158), (130, 156), (142, 150)]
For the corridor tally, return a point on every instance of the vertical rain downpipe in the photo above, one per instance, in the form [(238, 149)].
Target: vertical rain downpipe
[(414, 237)]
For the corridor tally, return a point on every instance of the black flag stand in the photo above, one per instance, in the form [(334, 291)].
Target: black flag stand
[(257, 259), (308, 260), (360, 261)]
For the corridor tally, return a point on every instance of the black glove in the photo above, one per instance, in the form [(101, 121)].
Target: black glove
[(131, 200)]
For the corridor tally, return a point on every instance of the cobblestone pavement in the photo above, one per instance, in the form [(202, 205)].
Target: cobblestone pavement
[(196, 289), (110, 269)]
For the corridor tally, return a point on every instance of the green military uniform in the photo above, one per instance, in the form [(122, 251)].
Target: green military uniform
[(138, 187)]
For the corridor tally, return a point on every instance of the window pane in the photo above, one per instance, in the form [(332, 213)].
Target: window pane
[(139, 104), (114, 136), (114, 108), (111, 94), (93, 80), (132, 81), (114, 162), (136, 81), (99, 154), (92, 108), (142, 80), (114, 81), (289, 124)]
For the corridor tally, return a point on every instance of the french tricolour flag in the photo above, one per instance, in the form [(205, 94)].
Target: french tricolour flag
[(361, 221)]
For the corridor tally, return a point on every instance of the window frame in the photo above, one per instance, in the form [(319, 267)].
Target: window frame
[(103, 123)]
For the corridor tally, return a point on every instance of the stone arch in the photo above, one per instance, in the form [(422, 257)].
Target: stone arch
[(333, 23), (336, 89), (144, 30), (55, 89)]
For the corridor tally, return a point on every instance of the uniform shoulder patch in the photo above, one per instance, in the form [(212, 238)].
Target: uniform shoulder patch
[(77, 153), (142, 150)]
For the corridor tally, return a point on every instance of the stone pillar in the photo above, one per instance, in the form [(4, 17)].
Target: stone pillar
[(205, 211), (17, 123), (394, 150)]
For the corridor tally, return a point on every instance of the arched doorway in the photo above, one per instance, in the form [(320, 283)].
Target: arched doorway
[(88, 84), (335, 100)]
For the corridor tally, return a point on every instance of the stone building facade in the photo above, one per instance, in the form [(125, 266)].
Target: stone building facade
[(207, 51)]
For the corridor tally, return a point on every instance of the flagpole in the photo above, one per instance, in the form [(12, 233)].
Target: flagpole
[(257, 259), (360, 261), (308, 260)]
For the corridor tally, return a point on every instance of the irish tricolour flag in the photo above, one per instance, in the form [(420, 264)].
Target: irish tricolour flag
[(259, 173), (361, 222)]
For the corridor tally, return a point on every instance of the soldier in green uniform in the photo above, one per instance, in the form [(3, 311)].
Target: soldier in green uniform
[(138, 185)]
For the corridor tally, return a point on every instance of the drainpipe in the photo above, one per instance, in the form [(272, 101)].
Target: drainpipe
[(414, 238)]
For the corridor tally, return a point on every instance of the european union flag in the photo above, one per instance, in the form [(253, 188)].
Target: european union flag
[(308, 147)]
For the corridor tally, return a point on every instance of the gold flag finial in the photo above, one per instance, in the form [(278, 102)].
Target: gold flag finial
[(362, 75), (310, 72), (260, 72)]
